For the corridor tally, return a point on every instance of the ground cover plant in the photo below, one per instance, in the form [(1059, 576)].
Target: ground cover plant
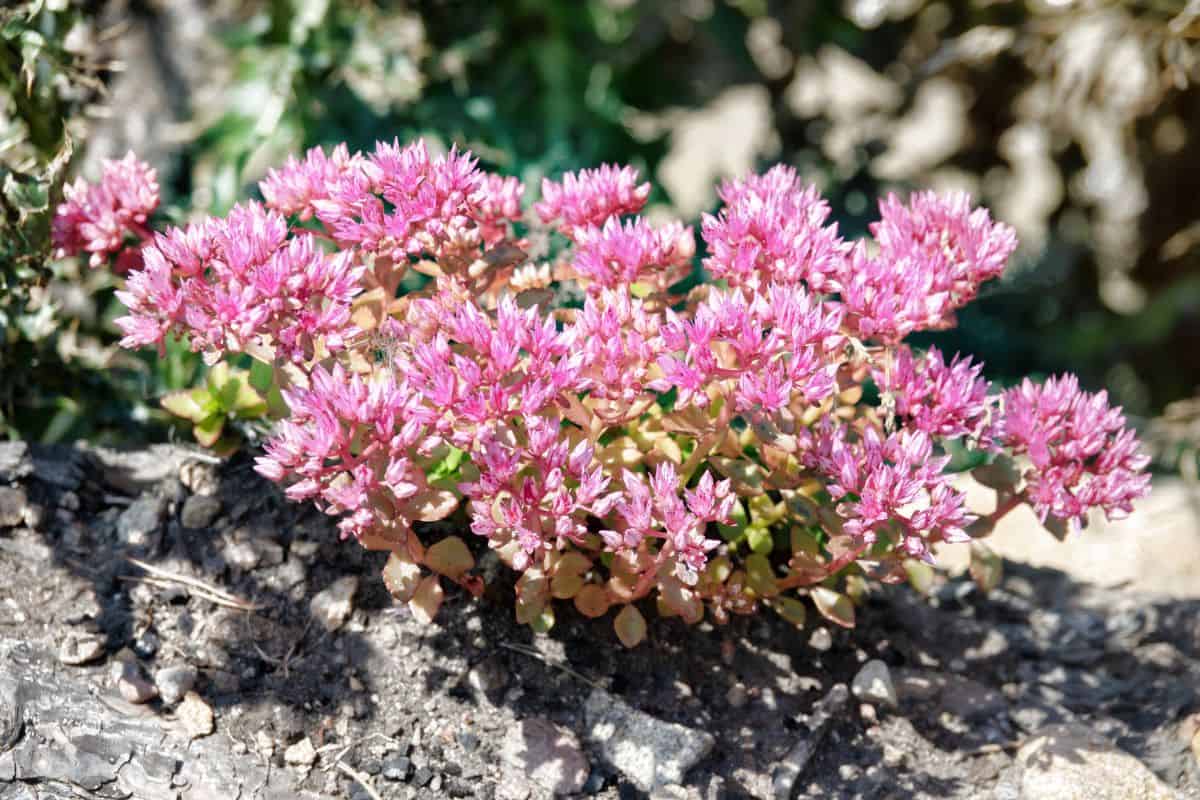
[(434, 348)]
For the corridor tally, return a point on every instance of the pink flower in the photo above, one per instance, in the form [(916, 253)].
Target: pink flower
[(476, 369), (430, 203), (1082, 455), (948, 400), (96, 218), (892, 486), (622, 254), (619, 342), (534, 488), (348, 445), (229, 283), (591, 196), (960, 245), (764, 349), (654, 510), (933, 255), (772, 230), (293, 188), (497, 204)]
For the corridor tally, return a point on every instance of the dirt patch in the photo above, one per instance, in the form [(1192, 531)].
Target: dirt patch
[(325, 699)]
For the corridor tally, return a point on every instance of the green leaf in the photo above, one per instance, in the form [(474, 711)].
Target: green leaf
[(745, 475), (630, 626), (920, 575), (184, 404), (208, 430), (450, 557), (427, 599), (401, 576), (760, 540), (735, 531), (593, 600), (1001, 475), (262, 376), (790, 609), (987, 568), (760, 576), (834, 606), (447, 466), (681, 599)]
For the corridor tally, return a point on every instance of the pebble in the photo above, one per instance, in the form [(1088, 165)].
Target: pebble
[(240, 555), (736, 696), (396, 767), (1073, 762), (547, 754), (76, 650), (332, 605), (13, 503), (174, 682), (488, 676), (199, 511), (131, 683), (141, 519), (648, 751), (789, 769), (195, 715), (873, 684), (821, 640), (302, 753)]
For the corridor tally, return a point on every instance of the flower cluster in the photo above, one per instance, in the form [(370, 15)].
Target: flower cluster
[(714, 450), (947, 400), (242, 283), (97, 218), (1081, 452), (772, 230)]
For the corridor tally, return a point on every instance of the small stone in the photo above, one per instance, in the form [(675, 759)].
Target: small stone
[(736, 696), (488, 676), (15, 462), (396, 767), (1073, 762), (794, 762), (199, 511), (332, 605), (422, 776), (648, 751), (195, 715), (547, 754), (174, 682), (594, 784), (146, 644), (821, 640), (301, 754), (76, 650), (131, 683), (873, 684), (141, 519), (13, 503), (240, 555), (671, 791)]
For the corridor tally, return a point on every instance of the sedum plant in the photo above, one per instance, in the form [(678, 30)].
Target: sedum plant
[(441, 349)]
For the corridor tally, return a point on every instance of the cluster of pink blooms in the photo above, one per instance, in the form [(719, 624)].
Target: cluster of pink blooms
[(1082, 455), (97, 218), (940, 399), (545, 404), (241, 282), (891, 484)]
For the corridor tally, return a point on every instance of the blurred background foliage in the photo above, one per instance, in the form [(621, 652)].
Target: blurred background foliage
[(1074, 120)]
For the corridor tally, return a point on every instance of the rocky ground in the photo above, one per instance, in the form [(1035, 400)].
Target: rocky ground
[(171, 628)]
